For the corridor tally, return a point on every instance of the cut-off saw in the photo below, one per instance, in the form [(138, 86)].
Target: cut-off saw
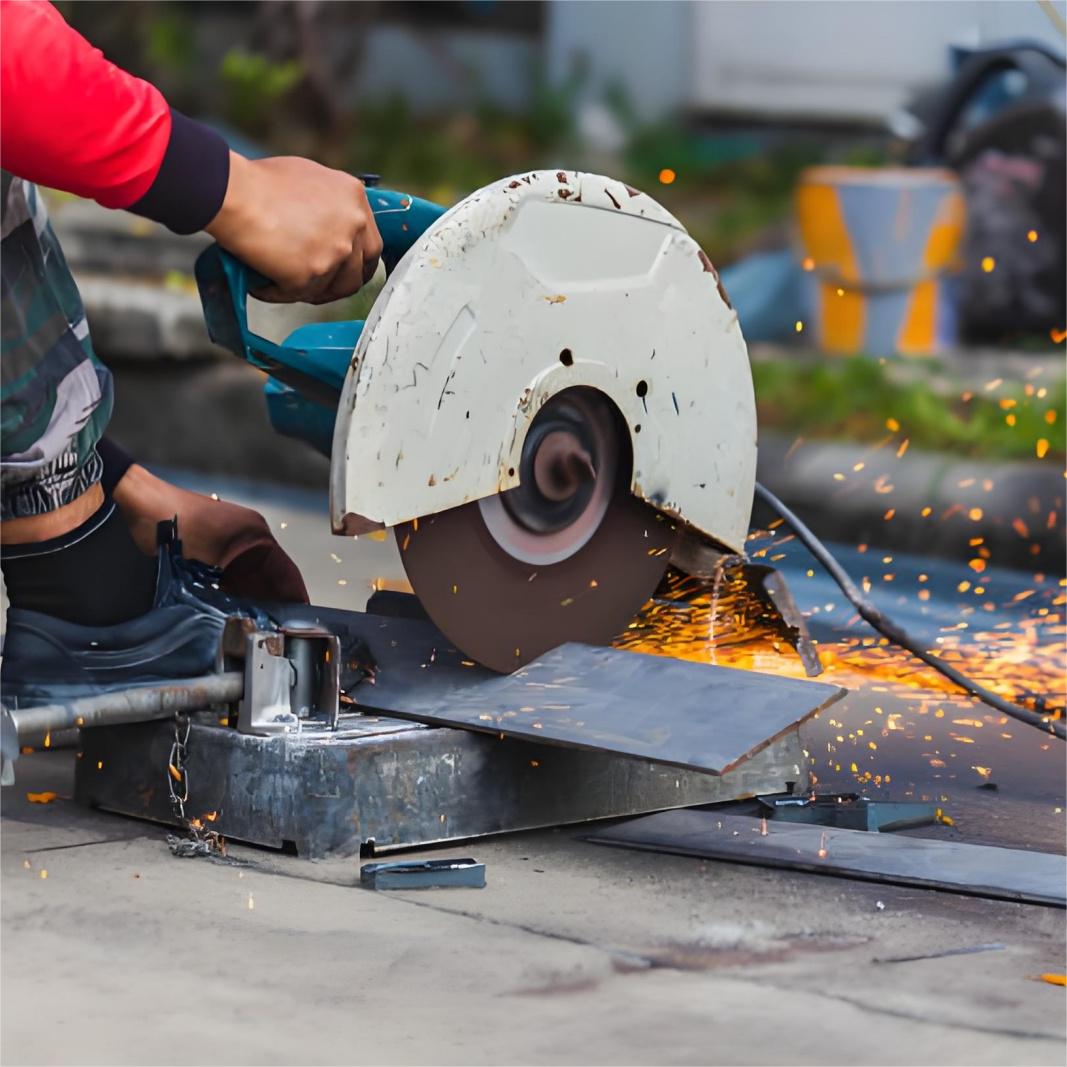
[(549, 403)]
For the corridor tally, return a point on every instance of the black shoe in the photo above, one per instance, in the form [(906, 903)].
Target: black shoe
[(46, 659)]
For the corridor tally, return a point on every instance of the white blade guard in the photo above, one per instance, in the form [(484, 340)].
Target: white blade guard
[(532, 285)]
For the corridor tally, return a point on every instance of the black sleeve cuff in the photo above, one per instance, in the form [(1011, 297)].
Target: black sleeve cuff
[(191, 184)]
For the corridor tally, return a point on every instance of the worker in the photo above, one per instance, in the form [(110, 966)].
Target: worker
[(78, 516)]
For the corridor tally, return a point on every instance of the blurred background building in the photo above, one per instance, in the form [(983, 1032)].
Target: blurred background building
[(720, 109)]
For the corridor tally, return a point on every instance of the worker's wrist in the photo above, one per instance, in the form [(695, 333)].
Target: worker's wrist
[(231, 215)]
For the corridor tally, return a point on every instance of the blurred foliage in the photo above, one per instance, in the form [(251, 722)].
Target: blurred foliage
[(856, 398), (254, 86)]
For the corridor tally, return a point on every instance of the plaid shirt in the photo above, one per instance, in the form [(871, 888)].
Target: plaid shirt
[(55, 395)]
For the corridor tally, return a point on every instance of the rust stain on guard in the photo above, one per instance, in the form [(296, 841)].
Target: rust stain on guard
[(710, 268), (352, 525)]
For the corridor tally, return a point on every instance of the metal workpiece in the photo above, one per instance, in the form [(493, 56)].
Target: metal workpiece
[(950, 865), (378, 783), (648, 707), (424, 874)]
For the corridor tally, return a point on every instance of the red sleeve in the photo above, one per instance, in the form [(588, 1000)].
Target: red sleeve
[(72, 120)]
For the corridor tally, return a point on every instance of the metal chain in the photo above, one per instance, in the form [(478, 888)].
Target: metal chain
[(177, 772), (197, 841)]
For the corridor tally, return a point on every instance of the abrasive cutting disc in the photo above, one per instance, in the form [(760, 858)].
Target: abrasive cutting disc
[(570, 555)]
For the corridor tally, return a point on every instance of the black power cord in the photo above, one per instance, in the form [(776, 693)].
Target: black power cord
[(898, 636)]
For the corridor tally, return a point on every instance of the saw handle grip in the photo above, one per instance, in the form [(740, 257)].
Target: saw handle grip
[(314, 358)]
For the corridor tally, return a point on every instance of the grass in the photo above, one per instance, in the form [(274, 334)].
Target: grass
[(860, 399)]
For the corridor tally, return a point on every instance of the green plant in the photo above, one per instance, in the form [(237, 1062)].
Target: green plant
[(856, 399), (254, 84)]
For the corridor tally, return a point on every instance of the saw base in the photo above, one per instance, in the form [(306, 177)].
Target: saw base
[(378, 784)]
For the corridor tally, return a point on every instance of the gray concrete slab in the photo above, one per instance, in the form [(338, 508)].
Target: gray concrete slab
[(571, 954)]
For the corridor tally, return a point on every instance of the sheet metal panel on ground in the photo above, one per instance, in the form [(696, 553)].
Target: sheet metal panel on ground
[(956, 866), (382, 781)]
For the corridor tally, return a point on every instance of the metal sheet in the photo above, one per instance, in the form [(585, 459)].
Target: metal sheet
[(955, 866), (651, 707), (391, 784)]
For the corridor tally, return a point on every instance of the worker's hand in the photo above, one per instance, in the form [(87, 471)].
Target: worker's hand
[(306, 227), (235, 539)]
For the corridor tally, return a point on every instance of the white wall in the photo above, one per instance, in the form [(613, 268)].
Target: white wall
[(639, 44), (857, 59)]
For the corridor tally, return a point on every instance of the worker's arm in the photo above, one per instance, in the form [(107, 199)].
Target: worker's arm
[(74, 121)]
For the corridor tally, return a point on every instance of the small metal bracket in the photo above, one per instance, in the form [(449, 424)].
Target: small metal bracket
[(291, 676)]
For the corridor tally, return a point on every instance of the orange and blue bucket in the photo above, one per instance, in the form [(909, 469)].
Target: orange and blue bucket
[(879, 247)]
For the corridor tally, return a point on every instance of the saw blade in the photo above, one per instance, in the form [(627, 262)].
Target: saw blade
[(503, 611), (568, 555)]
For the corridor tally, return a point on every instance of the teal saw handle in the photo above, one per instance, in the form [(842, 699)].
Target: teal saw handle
[(314, 358)]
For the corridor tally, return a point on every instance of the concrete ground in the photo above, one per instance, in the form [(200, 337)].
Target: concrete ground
[(116, 952)]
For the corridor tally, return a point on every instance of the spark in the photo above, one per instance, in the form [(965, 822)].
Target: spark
[(808, 263), (1031, 236), (993, 384), (903, 448), (975, 514), (799, 325), (1058, 336), (667, 176), (1050, 416), (892, 425), (1041, 448), (988, 264)]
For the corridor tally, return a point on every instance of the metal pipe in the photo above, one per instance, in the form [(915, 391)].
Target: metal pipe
[(140, 704)]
